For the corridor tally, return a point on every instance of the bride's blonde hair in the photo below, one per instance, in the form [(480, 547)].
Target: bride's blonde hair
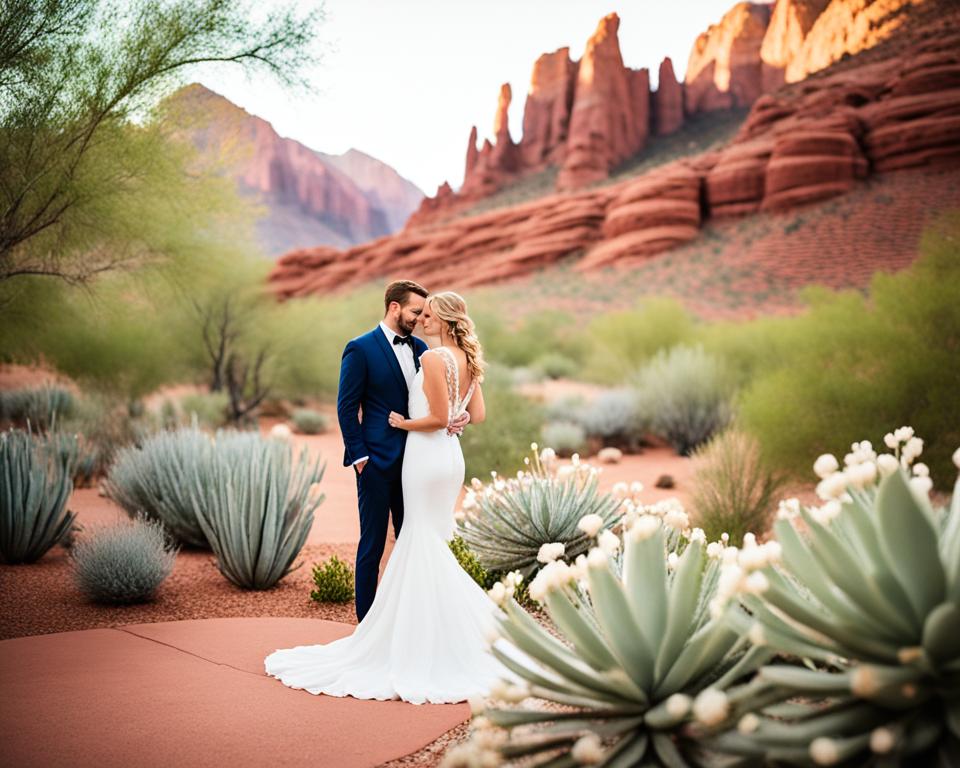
[(450, 308)]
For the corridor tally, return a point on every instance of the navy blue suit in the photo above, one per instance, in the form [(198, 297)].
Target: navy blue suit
[(372, 381)]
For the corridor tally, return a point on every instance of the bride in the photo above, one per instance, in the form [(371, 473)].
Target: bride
[(424, 638)]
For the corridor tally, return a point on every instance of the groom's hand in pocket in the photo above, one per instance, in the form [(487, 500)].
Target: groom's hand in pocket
[(456, 426), (359, 467)]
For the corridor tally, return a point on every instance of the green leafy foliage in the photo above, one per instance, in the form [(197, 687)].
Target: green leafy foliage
[(853, 362), (125, 563), (333, 581), (513, 422)]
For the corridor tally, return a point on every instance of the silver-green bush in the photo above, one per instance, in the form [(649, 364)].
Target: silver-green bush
[(507, 521), (309, 422), (125, 563), (255, 506), (35, 485), (685, 396), (154, 478), (565, 437), (614, 416)]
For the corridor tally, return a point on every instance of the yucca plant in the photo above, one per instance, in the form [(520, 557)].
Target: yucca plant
[(255, 505), (40, 407), (36, 479), (869, 594), (152, 478), (641, 658), (507, 521)]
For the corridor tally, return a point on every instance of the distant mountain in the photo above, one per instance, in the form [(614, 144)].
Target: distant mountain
[(308, 198)]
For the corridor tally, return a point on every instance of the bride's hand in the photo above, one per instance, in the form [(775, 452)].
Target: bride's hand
[(396, 420)]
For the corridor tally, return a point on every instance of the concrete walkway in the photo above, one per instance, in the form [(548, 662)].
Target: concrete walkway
[(192, 694)]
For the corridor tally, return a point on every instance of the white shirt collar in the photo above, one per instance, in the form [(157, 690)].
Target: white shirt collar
[(388, 331)]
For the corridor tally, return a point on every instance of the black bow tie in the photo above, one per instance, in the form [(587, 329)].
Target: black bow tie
[(408, 340)]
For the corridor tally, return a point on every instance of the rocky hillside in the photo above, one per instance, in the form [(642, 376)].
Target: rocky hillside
[(894, 106), (307, 198)]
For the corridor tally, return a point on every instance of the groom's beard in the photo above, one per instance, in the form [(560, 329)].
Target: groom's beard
[(407, 328)]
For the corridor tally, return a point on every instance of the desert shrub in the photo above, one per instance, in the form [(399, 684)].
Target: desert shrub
[(567, 408), (40, 407), (155, 478), (622, 342), (499, 443), (507, 521), (210, 408), (122, 564), (255, 503), (310, 422), (614, 417), (685, 396), (565, 437), (35, 485), (734, 490), (556, 366), (854, 363), (522, 343), (333, 581), (468, 561)]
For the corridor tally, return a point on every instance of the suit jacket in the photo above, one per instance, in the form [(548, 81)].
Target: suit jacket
[(371, 379)]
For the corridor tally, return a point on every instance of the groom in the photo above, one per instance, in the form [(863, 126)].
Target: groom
[(376, 373)]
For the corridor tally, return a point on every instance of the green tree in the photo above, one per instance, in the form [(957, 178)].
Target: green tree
[(80, 131)]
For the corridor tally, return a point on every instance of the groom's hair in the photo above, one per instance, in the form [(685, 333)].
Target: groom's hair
[(400, 290)]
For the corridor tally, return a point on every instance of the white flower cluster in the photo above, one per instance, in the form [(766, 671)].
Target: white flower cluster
[(504, 589), (481, 750), (669, 511), (550, 552), (607, 540), (862, 467), (741, 570), (555, 575), (509, 692)]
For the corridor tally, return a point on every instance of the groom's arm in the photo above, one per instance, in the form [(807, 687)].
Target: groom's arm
[(353, 380)]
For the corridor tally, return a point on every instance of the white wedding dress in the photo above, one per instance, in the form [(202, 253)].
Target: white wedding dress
[(425, 637)]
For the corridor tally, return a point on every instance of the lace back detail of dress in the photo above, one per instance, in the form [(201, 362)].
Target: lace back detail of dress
[(456, 406)]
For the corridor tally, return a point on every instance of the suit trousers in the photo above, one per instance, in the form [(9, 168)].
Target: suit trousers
[(381, 496)]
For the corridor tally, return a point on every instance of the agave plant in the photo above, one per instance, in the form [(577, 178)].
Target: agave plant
[(869, 592), (151, 478), (507, 521), (36, 479), (255, 506), (641, 659)]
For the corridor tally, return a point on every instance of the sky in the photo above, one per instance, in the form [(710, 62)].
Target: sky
[(404, 80)]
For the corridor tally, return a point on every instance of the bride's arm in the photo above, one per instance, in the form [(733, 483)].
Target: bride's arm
[(435, 388)]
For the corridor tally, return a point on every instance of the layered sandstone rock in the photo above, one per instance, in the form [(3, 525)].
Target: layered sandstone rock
[(724, 69), (846, 27), (896, 109), (789, 24), (667, 101), (608, 100), (546, 114)]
